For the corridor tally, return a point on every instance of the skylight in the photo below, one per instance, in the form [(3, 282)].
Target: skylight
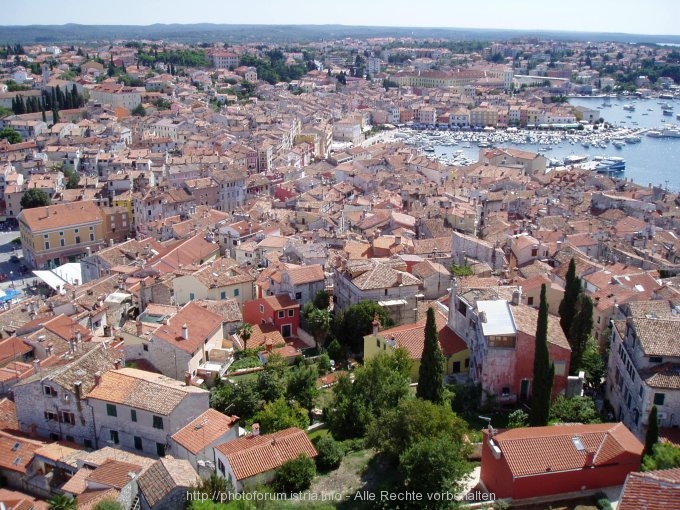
[(578, 444)]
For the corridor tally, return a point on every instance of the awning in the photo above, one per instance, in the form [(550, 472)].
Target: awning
[(51, 279)]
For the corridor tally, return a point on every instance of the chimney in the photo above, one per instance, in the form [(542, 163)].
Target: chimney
[(89, 251), (116, 364), (399, 278), (97, 378), (140, 328), (36, 366), (517, 296), (590, 458), (78, 389), (49, 349), (185, 332), (269, 345), (397, 240), (256, 429), (187, 378), (111, 243), (376, 325)]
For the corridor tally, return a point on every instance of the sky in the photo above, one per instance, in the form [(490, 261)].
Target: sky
[(653, 17)]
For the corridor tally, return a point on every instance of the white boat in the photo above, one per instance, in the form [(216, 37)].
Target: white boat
[(611, 164), (619, 144), (629, 107), (664, 133)]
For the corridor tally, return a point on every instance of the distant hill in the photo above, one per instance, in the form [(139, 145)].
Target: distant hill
[(208, 32)]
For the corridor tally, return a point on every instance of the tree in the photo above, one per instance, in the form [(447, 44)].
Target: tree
[(108, 504), (72, 177), (574, 410), (34, 197), (517, 419), (322, 300), (413, 419), (55, 116), (330, 453), (592, 364), (139, 110), (320, 321), (62, 502), (213, 488), (544, 371), (271, 382), (302, 385), (295, 475), (357, 322), (663, 456), (652, 434), (579, 332), (431, 370), (11, 135), (335, 350), (280, 415), (242, 399), (572, 289), (434, 466), (244, 332)]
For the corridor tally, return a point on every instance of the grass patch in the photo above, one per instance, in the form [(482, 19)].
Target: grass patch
[(317, 434)]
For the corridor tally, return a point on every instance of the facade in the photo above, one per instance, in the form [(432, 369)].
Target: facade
[(300, 283), (279, 312), (532, 462), (118, 96), (139, 411), (57, 234), (253, 459), (643, 371)]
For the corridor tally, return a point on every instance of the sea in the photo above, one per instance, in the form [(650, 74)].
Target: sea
[(654, 161)]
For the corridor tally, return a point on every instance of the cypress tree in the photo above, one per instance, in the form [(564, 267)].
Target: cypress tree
[(55, 116), (580, 330), (652, 435), (572, 289), (431, 371), (44, 117), (544, 371)]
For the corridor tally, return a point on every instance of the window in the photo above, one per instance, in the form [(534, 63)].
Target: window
[(236, 292), (114, 436), (282, 314), (223, 294), (146, 347), (158, 422), (291, 312), (505, 391), (111, 410), (67, 417), (70, 438), (530, 300), (50, 416), (77, 239), (456, 367), (659, 399), (76, 230), (261, 308), (377, 343), (47, 245), (61, 234), (87, 443), (138, 443), (298, 295), (462, 308), (467, 362), (560, 367), (191, 296), (61, 242), (91, 237), (534, 252), (49, 391), (220, 466), (641, 391), (133, 415), (160, 449)]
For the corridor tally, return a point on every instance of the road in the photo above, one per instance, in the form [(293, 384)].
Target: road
[(14, 279)]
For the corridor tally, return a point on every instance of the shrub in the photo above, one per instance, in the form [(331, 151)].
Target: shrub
[(295, 475), (602, 501), (330, 453)]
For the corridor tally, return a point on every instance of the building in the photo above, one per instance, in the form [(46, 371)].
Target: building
[(57, 234), (165, 484), (118, 96), (532, 462), (139, 411), (644, 371), (253, 459), (280, 312), (653, 490)]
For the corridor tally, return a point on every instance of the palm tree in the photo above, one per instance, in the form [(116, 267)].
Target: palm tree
[(320, 323), (244, 332), (62, 502)]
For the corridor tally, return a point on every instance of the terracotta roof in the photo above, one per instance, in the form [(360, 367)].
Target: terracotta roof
[(16, 452), (77, 483), (114, 473), (664, 376), (252, 455), (280, 302), (8, 415), (535, 450), (203, 430), (305, 274), (658, 337), (89, 500), (163, 477), (653, 490), (201, 323), (52, 217), (151, 392), (526, 318)]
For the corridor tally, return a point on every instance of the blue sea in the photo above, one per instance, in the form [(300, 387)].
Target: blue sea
[(653, 161)]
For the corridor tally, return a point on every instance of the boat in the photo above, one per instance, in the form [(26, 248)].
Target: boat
[(664, 133), (629, 107), (632, 139), (619, 144), (668, 112), (611, 164), (573, 159), (428, 149)]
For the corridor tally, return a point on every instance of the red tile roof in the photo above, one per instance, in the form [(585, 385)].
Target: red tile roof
[(252, 455), (40, 219), (653, 490), (114, 473), (206, 428), (535, 450), (201, 323), (8, 415), (16, 452)]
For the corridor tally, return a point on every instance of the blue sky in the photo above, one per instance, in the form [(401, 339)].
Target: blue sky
[(628, 16)]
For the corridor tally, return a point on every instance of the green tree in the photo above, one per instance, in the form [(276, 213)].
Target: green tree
[(572, 289), (139, 110), (518, 418), (295, 475), (280, 415), (663, 456), (302, 385), (34, 197), (213, 488), (544, 371), (652, 434), (434, 466), (11, 135), (357, 322), (62, 502), (413, 419), (432, 362), (592, 364), (320, 321), (244, 332), (242, 399), (271, 382), (579, 333), (330, 453), (335, 350), (55, 116), (322, 300), (574, 410), (72, 177), (108, 504)]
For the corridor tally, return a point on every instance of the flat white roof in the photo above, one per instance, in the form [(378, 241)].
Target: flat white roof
[(499, 319)]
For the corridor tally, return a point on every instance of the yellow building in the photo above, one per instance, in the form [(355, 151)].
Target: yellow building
[(57, 234), (412, 338)]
